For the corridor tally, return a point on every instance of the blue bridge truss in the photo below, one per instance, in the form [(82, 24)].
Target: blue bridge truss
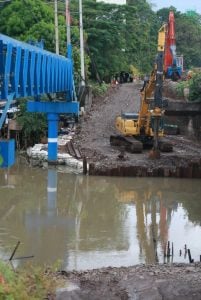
[(30, 71)]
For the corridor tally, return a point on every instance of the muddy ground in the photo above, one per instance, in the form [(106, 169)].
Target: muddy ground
[(152, 282), (95, 128)]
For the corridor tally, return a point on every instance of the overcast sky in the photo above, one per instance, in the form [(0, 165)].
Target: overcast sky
[(181, 5)]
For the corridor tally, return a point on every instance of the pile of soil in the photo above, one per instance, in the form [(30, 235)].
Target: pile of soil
[(93, 139)]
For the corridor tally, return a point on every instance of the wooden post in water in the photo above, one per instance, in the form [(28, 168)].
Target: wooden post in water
[(189, 256), (84, 165)]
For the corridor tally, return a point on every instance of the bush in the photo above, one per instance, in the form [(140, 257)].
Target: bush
[(31, 284), (34, 125), (180, 88), (99, 90), (195, 87)]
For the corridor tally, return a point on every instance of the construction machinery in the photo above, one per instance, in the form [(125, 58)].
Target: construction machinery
[(138, 130), (173, 64)]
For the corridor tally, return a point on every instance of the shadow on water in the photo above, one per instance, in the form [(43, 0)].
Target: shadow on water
[(89, 222)]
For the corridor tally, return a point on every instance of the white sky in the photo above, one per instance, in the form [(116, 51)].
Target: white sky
[(181, 5), (113, 1)]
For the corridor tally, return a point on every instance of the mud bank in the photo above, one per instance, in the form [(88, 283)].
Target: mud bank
[(151, 282), (182, 169)]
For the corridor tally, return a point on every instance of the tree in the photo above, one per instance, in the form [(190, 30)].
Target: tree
[(189, 39), (195, 87), (117, 36), (29, 20)]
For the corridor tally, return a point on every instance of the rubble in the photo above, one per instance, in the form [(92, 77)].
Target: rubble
[(38, 155)]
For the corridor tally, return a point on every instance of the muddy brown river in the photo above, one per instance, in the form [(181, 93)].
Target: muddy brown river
[(90, 222)]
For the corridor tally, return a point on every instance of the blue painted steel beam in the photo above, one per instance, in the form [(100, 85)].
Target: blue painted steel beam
[(27, 70), (53, 109), (60, 107), (6, 108)]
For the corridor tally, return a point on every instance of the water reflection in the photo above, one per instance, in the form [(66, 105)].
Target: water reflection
[(90, 222)]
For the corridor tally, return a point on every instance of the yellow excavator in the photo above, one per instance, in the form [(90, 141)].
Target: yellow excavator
[(138, 130)]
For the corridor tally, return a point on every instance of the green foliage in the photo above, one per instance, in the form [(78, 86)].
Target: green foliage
[(30, 284), (99, 90), (180, 87), (34, 125), (116, 36), (28, 19), (134, 71), (195, 87)]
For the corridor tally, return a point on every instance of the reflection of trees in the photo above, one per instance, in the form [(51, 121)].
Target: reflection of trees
[(21, 190), (18, 187), (155, 201), (85, 211), (100, 216), (192, 205), (187, 192), (152, 232), (145, 243), (88, 212)]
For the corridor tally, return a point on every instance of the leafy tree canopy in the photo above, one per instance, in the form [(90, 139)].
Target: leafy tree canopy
[(116, 36)]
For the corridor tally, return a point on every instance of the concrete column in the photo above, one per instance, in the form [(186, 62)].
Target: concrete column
[(52, 136)]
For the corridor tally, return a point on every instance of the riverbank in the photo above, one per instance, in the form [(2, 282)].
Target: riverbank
[(151, 282), (140, 282)]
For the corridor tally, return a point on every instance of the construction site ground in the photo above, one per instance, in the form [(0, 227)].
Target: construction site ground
[(93, 139), (151, 282)]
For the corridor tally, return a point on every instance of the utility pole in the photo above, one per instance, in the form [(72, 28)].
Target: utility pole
[(56, 27), (68, 32), (68, 22), (81, 45)]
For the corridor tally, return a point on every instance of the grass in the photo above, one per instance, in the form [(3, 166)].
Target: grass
[(33, 283)]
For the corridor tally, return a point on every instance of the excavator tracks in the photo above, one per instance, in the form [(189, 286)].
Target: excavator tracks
[(129, 143), (132, 145)]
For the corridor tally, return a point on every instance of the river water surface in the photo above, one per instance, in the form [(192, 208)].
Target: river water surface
[(90, 222)]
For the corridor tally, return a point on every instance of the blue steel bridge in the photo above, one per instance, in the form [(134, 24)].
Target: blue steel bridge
[(30, 71)]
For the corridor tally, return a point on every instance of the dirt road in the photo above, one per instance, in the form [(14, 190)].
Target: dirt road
[(94, 132)]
